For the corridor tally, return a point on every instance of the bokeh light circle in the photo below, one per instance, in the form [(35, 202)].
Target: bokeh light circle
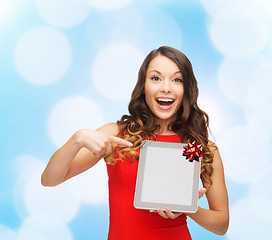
[(34, 199), (108, 4), (260, 117), (9, 10), (42, 55), (92, 186), (7, 233), (126, 26), (258, 193), (259, 89), (135, 26), (245, 32), (63, 13), (33, 227), (153, 28), (235, 73), (115, 69), (217, 116), (26, 233), (243, 163), (72, 114), (60, 201), (23, 168), (213, 6), (246, 224)]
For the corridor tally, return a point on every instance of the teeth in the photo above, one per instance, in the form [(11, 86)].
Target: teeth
[(165, 99)]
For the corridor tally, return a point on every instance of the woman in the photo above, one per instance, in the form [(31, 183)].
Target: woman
[(163, 107)]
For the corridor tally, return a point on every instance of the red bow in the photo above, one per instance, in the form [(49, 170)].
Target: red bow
[(192, 151)]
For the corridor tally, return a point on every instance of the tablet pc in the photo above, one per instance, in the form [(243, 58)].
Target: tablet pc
[(166, 178)]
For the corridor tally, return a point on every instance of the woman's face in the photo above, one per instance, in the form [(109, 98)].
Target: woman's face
[(163, 88)]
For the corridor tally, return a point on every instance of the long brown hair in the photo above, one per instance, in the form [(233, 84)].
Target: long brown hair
[(191, 123)]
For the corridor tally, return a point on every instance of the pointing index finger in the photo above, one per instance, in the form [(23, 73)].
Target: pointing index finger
[(121, 141)]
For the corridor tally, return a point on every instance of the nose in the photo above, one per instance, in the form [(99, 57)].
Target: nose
[(166, 86)]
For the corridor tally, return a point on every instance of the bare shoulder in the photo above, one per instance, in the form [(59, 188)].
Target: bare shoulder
[(212, 146), (217, 163), (110, 129), (217, 194)]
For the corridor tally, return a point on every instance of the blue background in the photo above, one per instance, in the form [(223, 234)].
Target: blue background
[(58, 60)]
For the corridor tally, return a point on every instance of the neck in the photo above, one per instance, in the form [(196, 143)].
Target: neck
[(163, 127), (163, 130)]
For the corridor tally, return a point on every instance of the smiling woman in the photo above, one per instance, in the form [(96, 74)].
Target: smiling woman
[(163, 107), (163, 89)]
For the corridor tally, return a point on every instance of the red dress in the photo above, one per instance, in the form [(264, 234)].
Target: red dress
[(129, 223)]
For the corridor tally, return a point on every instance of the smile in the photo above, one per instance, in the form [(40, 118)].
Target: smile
[(165, 103)]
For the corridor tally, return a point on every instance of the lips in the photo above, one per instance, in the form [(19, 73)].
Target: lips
[(165, 103)]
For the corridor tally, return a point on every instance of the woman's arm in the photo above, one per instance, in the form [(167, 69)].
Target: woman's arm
[(81, 152), (216, 219)]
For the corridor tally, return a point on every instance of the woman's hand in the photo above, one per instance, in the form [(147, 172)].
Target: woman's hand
[(99, 143), (201, 192), (169, 214)]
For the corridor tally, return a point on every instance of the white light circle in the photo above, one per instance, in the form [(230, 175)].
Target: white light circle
[(42, 55), (159, 31), (127, 28), (260, 117), (26, 233), (258, 109), (115, 70), (245, 224), (8, 9), (265, 7), (92, 186), (213, 6), (235, 73), (7, 233), (155, 2), (243, 162), (44, 221), (63, 13), (60, 201), (23, 167), (258, 193), (72, 114), (29, 230), (109, 4), (259, 90), (217, 117), (269, 48), (31, 198), (238, 29), (135, 26)]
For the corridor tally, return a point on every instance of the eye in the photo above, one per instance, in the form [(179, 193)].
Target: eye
[(178, 80), (155, 78)]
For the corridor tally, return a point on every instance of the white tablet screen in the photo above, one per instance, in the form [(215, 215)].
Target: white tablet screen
[(166, 178), (161, 173)]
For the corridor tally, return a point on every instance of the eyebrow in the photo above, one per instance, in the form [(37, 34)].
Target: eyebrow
[(161, 73)]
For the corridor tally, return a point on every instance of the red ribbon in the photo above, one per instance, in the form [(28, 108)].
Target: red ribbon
[(192, 151)]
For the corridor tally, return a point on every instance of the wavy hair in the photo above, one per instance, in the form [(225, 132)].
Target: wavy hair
[(191, 123)]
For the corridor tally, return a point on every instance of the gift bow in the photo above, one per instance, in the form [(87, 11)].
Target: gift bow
[(192, 151)]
